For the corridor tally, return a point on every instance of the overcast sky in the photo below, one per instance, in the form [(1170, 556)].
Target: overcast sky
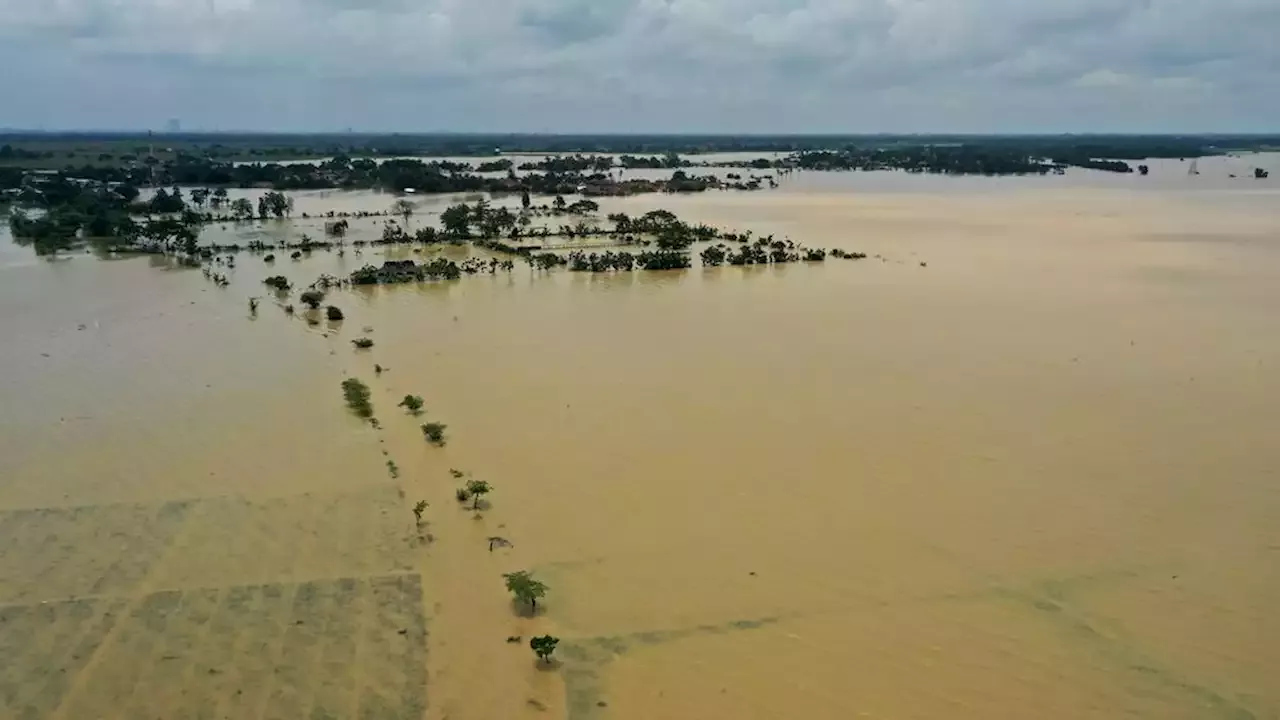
[(643, 65)]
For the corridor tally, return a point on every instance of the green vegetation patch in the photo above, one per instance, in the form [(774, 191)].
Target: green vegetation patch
[(357, 396)]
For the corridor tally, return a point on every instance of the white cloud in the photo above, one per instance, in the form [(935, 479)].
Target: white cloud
[(627, 65)]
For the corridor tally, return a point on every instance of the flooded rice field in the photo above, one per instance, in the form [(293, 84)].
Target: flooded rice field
[(1019, 463)]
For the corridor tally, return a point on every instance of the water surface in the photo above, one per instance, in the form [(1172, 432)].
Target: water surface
[(1017, 464)]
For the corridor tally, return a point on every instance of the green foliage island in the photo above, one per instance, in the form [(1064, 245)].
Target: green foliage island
[(357, 396), (525, 589)]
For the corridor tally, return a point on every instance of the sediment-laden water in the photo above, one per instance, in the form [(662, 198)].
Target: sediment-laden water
[(1018, 465)]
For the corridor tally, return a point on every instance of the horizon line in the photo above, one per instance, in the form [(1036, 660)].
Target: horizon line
[(623, 134)]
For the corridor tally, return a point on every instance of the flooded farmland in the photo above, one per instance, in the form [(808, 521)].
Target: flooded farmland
[(1018, 463)]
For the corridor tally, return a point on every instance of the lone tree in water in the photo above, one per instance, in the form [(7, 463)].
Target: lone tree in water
[(525, 588), (457, 220), (434, 432), (418, 509), (412, 403), (476, 490), (403, 208), (358, 397), (543, 647), (312, 299)]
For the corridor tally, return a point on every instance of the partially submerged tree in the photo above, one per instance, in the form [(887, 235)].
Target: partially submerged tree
[(525, 588), (412, 403), (358, 397), (334, 313), (544, 646), (242, 209), (476, 490), (418, 509), (200, 196), (457, 220), (363, 343), (402, 207), (312, 299), (336, 229), (434, 432)]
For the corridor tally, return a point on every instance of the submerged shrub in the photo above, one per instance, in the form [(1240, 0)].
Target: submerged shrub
[(476, 489), (312, 299), (363, 343), (279, 282), (544, 646), (358, 397), (434, 432), (334, 313), (715, 255), (412, 403)]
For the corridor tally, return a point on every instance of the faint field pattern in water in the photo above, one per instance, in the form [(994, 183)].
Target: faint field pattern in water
[(186, 610), (60, 553), (340, 648)]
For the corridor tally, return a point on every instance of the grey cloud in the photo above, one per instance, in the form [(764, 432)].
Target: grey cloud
[(669, 65), (574, 21)]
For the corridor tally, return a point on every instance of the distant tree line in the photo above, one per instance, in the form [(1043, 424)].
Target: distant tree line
[(276, 146)]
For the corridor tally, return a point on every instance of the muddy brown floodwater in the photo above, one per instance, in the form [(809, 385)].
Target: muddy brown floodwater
[(1034, 476)]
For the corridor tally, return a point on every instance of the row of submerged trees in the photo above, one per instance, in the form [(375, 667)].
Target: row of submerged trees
[(526, 589), (676, 239), (58, 213), (555, 176), (64, 211), (667, 242), (173, 219)]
